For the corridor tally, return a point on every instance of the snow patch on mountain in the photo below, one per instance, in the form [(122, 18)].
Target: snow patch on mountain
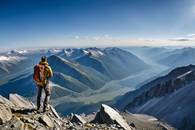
[(68, 52), (183, 75), (10, 58), (17, 52)]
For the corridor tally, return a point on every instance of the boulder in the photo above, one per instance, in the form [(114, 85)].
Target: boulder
[(27, 119), (5, 113), (78, 119), (41, 128), (21, 102), (17, 124), (6, 101), (45, 120), (54, 112), (28, 126), (109, 116)]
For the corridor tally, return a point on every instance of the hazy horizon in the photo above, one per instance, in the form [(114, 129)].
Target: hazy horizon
[(62, 47)]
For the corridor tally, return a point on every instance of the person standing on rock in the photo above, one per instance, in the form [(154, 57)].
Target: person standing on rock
[(41, 76)]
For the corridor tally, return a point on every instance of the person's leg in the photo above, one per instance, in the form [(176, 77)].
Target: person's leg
[(47, 97), (39, 97)]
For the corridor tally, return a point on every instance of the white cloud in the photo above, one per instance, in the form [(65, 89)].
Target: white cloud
[(189, 37), (180, 39), (96, 38), (107, 40), (76, 37), (106, 36)]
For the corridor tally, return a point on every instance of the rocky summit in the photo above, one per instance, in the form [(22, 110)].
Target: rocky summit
[(17, 113)]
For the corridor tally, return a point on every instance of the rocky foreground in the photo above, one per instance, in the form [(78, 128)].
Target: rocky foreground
[(17, 113)]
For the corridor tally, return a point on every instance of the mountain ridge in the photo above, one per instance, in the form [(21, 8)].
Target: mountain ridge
[(172, 93)]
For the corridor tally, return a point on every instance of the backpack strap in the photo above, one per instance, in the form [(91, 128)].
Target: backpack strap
[(49, 71)]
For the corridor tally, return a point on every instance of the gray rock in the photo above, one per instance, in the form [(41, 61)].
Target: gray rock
[(40, 128), (17, 124), (46, 121), (109, 116), (54, 112), (20, 102), (78, 119), (71, 128), (27, 120), (89, 117), (29, 126), (6, 101), (5, 113), (69, 123)]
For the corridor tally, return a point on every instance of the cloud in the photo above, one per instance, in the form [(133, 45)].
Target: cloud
[(189, 37), (104, 37), (182, 39), (76, 37), (107, 40)]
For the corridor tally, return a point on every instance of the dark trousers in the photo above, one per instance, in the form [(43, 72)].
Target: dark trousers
[(47, 90)]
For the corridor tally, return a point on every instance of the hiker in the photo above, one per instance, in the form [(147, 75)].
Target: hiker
[(42, 74)]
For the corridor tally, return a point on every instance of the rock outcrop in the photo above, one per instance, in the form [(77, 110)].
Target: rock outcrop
[(20, 102), (46, 121), (6, 101), (19, 114), (78, 119), (177, 79), (110, 116), (5, 113)]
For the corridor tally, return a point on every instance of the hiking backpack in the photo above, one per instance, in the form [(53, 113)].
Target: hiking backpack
[(39, 75)]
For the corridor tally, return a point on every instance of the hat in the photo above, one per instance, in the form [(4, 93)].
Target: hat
[(43, 59)]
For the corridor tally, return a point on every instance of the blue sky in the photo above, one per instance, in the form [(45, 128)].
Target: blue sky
[(31, 23)]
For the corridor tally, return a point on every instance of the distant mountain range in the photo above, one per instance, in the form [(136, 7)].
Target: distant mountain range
[(170, 98), (93, 67), (171, 57), (178, 57), (75, 70), (17, 61), (154, 53)]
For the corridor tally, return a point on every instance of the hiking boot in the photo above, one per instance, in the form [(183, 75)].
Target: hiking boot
[(38, 110)]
